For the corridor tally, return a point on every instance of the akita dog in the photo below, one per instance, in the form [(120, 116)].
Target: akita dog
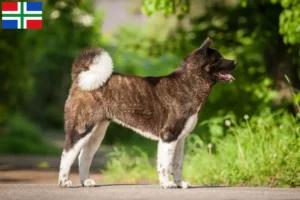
[(160, 108)]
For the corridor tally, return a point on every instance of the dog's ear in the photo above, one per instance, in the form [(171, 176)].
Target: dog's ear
[(204, 46)]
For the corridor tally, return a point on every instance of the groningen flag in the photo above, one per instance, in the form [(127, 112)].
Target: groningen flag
[(21, 15)]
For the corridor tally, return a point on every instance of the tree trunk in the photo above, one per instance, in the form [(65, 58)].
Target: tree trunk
[(279, 64)]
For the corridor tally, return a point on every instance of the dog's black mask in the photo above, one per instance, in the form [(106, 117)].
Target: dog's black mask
[(211, 64)]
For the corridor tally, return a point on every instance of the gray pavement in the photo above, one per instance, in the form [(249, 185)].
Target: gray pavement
[(143, 192)]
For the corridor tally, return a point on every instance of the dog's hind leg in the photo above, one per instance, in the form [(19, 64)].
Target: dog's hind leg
[(176, 167), (87, 153), (165, 156), (74, 144)]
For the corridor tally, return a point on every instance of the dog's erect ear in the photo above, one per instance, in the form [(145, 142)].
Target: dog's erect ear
[(205, 44)]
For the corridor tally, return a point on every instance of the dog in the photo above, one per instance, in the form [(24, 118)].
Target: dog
[(161, 108)]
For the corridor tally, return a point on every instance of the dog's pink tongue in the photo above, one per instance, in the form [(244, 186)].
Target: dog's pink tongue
[(227, 76), (230, 77)]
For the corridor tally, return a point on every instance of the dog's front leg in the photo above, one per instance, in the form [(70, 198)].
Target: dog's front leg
[(176, 167), (165, 156)]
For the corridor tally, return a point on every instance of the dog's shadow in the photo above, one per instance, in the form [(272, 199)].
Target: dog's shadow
[(125, 184), (205, 187), (193, 187), (152, 185)]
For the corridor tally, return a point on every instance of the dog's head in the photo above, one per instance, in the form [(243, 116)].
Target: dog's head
[(210, 64)]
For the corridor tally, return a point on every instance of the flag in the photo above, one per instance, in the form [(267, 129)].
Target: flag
[(21, 15)]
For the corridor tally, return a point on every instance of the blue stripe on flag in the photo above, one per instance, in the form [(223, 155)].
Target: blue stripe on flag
[(10, 24), (34, 6)]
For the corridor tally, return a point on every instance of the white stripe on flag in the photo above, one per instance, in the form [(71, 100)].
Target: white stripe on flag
[(14, 12)]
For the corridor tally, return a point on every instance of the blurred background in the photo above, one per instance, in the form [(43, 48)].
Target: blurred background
[(248, 131)]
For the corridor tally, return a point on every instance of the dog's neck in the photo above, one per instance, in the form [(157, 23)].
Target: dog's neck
[(198, 87)]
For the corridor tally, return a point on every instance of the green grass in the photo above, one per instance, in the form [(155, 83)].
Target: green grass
[(254, 151), (130, 165)]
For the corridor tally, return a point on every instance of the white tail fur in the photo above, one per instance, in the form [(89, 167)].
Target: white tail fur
[(99, 71)]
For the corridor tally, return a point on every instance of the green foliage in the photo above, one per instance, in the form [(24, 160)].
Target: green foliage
[(166, 6), (21, 136), (146, 43), (289, 20), (15, 80), (260, 150)]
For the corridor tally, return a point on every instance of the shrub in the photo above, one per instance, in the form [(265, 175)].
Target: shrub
[(21, 136)]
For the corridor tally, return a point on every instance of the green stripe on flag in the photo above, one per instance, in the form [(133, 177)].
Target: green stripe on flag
[(25, 15), (22, 18)]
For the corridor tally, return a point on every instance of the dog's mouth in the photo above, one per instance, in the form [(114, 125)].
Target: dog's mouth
[(224, 74), (225, 77)]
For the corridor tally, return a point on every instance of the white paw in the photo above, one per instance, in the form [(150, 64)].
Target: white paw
[(168, 184), (183, 184), (88, 183), (65, 183)]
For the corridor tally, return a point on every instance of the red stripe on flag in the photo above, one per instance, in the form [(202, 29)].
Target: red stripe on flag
[(34, 24), (9, 6)]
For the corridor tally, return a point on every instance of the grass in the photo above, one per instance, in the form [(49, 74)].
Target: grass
[(130, 165), (254, 151)]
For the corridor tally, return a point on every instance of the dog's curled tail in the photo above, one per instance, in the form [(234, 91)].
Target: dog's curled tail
[(92, 68)]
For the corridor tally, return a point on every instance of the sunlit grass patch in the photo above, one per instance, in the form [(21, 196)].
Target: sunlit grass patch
[(130, 165), (257, 151)]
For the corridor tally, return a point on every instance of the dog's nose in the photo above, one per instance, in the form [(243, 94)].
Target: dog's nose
[(235, 63)]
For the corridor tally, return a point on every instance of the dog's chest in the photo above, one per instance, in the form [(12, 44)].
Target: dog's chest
[(189, 125)]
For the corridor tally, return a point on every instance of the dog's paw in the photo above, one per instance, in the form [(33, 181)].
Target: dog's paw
[(168, 184), (88, 183), (183, 184), (65, 183)]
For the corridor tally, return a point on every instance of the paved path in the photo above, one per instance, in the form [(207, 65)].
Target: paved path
[(143, 192), (43, 177)]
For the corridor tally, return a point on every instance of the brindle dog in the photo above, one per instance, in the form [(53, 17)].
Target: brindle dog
[(162, 108)]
